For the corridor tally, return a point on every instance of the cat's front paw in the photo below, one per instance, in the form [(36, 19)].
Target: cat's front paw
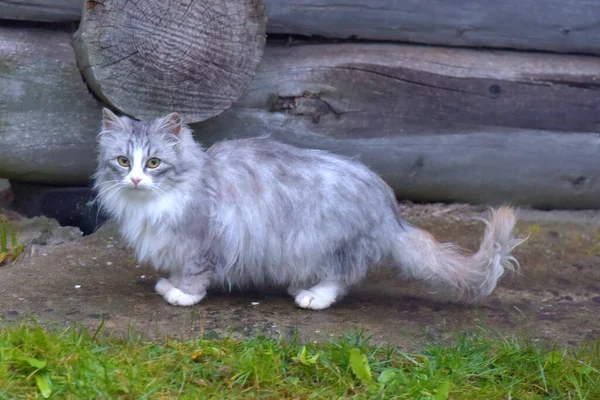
[(314, 301), (163, 286), (178, 298)]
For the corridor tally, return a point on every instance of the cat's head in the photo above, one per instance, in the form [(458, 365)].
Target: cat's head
[(142, 158)]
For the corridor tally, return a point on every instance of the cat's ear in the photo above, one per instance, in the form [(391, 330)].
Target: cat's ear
[(110, 122), (171, 124)]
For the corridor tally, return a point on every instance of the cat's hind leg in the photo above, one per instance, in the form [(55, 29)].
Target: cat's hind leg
[(320, 296)]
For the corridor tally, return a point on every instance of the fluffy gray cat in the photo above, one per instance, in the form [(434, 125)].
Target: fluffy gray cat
[(255, 212)]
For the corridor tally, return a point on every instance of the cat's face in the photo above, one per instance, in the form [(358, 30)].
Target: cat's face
[(139, 158)]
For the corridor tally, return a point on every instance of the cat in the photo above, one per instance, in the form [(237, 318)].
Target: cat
[(257, 212)]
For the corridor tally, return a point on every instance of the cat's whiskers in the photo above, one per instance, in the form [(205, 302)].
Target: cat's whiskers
[(111, 192), (100, 185), (113, 184), (157, 190), (98, 197)]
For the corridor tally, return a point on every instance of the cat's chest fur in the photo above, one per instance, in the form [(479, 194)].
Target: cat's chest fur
[(149, 227)]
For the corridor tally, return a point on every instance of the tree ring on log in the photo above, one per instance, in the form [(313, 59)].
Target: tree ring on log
[(148, 58)]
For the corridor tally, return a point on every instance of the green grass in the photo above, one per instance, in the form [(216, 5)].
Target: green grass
[(10, 249), (78, 364)]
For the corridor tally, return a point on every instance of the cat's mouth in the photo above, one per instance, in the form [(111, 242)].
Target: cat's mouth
[(138, 190)]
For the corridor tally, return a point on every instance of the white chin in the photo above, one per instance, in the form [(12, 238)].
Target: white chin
[(138, 190)]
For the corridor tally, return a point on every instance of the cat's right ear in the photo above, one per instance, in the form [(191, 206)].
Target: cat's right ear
[(110, 122)]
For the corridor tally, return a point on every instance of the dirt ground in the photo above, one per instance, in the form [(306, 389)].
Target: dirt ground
[(556, 298)]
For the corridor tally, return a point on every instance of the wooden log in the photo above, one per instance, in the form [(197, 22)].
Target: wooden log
[(375, 90), (48, 118), (193, 56), (41, 10), (551, 25), (424, 119)]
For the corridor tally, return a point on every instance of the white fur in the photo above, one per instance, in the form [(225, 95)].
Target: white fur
[(163, 286), (137, 171), (146, 223), (318, 297), (178, 298)]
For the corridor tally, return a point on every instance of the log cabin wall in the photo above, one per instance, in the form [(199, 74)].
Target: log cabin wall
[(448, 101)]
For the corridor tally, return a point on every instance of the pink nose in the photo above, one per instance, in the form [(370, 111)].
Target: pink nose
[(135, 181)]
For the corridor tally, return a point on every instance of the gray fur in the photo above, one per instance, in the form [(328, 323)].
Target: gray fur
[(253, 212)]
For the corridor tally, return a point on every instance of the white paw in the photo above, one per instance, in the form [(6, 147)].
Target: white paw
[(178, 298), (163, 286), (313, 301)]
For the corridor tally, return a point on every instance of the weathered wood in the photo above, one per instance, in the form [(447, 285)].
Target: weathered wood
[(147, 58), (48, 118), (553, 25), (41, 10), (425, 119), (374, 90)]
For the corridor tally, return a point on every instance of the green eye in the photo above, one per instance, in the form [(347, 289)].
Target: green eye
[(153, 163), (123, 161)]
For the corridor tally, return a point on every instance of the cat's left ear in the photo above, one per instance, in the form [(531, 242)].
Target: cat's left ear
[(111, 123), (171, 124)]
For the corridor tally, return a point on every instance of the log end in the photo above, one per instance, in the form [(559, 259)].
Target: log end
[(196, 57)]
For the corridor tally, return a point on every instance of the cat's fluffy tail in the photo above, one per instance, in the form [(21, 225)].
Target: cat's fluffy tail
[(446, 267)]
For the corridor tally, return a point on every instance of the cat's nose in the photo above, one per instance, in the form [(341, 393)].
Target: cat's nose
[(135, 181)]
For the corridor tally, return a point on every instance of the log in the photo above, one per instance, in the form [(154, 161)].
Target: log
[(48, 118), (145, 59), (381, 90), (550, 25), (41, 10), (425, 119)]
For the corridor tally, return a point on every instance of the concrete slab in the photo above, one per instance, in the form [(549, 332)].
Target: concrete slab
[(556, 299)]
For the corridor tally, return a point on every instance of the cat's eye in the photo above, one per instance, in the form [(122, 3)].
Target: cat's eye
[(123, 161), (153, 163)]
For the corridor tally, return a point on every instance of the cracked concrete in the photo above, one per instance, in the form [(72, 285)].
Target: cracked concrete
[(555, 299)]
